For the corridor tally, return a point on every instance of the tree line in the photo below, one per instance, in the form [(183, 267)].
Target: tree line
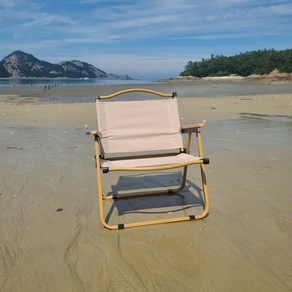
[(253, 62)]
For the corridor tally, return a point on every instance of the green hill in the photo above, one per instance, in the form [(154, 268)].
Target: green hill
[(253, 62)]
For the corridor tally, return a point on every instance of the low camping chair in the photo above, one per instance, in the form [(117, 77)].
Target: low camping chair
[(133, 135)]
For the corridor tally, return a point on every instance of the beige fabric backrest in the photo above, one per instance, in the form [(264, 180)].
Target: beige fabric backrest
[(144, 125)]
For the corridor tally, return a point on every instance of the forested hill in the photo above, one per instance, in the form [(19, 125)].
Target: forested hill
[(254, 62)]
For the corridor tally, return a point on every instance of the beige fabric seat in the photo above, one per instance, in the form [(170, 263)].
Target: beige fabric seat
[(155, 161), (144, 126)]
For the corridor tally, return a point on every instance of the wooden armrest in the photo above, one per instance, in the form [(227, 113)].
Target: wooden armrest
[(192, 128), (94, 133)]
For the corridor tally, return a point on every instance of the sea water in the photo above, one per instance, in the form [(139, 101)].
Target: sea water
[(68, 82)]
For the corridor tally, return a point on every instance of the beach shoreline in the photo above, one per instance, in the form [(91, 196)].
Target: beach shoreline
[(275, 77), (208, 87)]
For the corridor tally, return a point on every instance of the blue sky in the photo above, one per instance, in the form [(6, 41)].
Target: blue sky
[(145, 39)]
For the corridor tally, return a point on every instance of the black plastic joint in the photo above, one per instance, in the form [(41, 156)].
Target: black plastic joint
[(121, 226), (105, 170), (192, 217), (174, 94), (95, 161), (170, 191), (206, 160)]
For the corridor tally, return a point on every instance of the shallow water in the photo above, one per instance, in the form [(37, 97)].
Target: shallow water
[(88, 93), (51, 238), (192, 89)]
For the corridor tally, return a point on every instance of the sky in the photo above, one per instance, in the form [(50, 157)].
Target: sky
[(146, 39)]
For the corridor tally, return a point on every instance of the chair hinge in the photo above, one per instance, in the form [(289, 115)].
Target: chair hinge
[(95, 161), (183, 150), (206, 161)]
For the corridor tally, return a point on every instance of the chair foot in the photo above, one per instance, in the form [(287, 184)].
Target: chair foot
[(154, 222)]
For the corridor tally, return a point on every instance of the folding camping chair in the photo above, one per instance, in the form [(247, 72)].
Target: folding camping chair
[(145, 129)]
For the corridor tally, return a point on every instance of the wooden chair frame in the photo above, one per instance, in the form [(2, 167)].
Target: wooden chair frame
[(188, 130)]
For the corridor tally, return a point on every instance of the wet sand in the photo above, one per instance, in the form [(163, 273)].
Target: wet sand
[(50, 235), (211, 88)]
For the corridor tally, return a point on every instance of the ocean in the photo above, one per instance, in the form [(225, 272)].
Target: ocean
[(68, 82)]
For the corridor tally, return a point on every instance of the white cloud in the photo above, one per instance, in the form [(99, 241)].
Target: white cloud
[(142, 19), (138, 66), (9, 4), (128, 34)]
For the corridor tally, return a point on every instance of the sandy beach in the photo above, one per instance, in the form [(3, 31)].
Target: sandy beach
[(51, 238)]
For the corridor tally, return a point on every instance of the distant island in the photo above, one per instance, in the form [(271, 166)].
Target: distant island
[(259, 63), (23, 65)]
